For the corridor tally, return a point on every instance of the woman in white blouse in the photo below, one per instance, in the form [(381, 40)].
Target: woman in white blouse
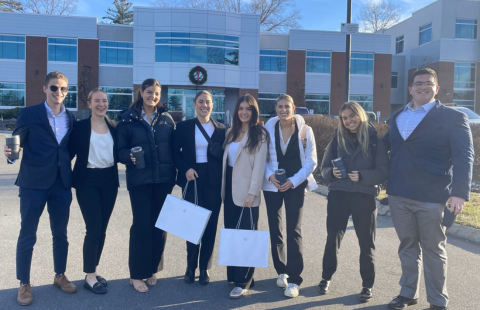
[(95, 178)]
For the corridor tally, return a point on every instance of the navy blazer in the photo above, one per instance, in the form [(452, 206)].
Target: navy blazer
[(435, 161), (42, 154), (79, 145), (184, 153)]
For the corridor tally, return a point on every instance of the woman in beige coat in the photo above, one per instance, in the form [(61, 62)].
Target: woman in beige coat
[(244, 161)]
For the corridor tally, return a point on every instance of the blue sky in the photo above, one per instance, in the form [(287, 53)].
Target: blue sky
[(317, 14)]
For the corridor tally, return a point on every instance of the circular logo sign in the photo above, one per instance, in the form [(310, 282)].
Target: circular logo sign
[(198, 75)]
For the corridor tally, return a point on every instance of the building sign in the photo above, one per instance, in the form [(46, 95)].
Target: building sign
[(198, 75), (349, 28)]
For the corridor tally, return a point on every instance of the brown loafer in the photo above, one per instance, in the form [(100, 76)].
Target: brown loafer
[(25, 297), (63, 283)]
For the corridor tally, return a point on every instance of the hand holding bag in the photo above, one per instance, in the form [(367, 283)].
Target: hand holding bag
[(214, 148), (182, 218), (243, 248)]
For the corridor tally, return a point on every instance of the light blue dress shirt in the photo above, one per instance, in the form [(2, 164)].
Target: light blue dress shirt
[(59, 123), (409, 118), (144, 116)]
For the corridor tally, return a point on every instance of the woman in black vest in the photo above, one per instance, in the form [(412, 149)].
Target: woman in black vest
[(95, 178), (366, 162), (195, 160), (148, 125), (292, 148)]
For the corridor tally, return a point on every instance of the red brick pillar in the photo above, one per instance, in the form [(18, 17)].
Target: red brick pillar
[(35, 69)]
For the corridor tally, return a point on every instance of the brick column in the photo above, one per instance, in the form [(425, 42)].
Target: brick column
[(382, 84), (35, 69), (88, 56), (337, 89), (296, 76)]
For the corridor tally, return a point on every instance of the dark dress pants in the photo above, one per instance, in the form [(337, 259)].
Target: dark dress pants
[(96, 199), (290, 260), (147, 242), (364, 214), (241, 276), (32, 204), (209, 197)]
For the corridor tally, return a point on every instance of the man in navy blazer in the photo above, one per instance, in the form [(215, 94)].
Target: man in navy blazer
[(45, 177), (431, 167)]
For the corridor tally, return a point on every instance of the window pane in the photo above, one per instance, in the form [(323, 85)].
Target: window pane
[(12, 98), (231, 57), (198, 35), (464, 94), (122, 56), (218, 104), (122, 44), (175, 103), (70, 101), (175, 91), (180, 53), (62, 53), (216, 43), (111, 56), (266, 106), (399, 47), (198, 54), (425, 36), (264, 63), (180, 35), (320, 97), (51, 52), (216, 55), (318, 65), (278, 64), (231, 44), (162, 53), (198, 42), (9, 50), (394, 81), (266, 95), (216, 37), (319, 107), (119, 102), (232, 38), (163, 34)]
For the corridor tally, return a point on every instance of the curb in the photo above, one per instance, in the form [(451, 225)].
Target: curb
[(457, 230)]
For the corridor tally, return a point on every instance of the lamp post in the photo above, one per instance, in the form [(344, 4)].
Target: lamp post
[(348, 52)]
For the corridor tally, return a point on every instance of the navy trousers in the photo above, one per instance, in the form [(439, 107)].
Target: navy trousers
[(32, 203)]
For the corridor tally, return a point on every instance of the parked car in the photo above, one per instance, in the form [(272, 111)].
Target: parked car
[(302, 110), (473, 118)]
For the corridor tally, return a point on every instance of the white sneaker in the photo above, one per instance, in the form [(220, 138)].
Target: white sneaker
[(292, 290), (237, 292), (282, 280)]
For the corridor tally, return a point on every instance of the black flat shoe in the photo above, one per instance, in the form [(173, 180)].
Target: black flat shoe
[(204, 279), (102, 281), (97, 288), (189, 276), (323, 287), (433, 307), (366, 294), (400, 302)]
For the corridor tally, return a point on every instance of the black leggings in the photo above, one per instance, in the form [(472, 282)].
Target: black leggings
[(96, 199)]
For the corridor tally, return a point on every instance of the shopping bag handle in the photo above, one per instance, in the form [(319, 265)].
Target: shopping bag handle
[(240, 219), (195, 192)]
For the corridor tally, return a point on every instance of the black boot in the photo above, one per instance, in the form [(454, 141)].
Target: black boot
[(204, 279), (189, 276)]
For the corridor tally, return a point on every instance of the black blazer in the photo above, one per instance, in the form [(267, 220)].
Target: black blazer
[(80, 146), (185, 155), (42, 154), (435, 161)]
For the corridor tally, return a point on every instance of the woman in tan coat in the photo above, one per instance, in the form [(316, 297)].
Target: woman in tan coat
[(244, 161)]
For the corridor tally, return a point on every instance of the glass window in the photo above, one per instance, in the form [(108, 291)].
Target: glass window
[(119, 98), (394, 80), (12, 47), (425, 34), (273, 60), (399, 45), (320, 104), (70, 101), (318, 62), (182, 100), (464, 84), (266, 103), (466, 29), (116, 53), (231, 57), (180, 53), (361, 63), (216, 55), (366, 101), (198, 54), (62, 49), (163, 53), (12, 95)]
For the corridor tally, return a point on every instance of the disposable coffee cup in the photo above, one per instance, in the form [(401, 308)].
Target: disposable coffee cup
[(448, 217), (13, 143), (137, 153), (281, 176), (340, 165)]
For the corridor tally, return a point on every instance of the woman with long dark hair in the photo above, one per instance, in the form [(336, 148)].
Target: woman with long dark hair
[(243, 168), (195, 162), (365, 159), (147, 125), (291, 148), (95, 178)]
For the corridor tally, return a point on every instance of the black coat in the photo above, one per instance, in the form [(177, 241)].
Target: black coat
[(79, 145), (185, 154), (156, 142)]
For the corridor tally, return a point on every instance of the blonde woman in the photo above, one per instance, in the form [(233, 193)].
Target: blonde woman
[(366, 162), (292, 148)]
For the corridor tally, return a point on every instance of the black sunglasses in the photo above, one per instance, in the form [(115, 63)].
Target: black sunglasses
[(54, 88)]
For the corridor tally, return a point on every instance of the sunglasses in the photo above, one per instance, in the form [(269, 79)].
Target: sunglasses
[(54, 88)]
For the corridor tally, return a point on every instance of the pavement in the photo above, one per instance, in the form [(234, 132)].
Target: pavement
[(172, 293)]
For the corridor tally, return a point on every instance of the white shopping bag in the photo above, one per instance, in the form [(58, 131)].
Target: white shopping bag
[(243, 248), (182, 218)]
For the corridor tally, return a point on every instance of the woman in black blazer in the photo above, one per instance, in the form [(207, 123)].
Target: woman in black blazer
[(194, 161), (95, 178)]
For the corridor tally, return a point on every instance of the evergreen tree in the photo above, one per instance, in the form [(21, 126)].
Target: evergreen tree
[(121, 14), (10, 6)]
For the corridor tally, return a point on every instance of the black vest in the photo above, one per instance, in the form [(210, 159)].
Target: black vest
[(291, 161)]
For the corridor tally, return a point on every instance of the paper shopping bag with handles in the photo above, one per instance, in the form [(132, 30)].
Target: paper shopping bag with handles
[(182, 218), (243, 248)]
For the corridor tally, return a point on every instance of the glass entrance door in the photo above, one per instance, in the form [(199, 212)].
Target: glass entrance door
[(180, 99)]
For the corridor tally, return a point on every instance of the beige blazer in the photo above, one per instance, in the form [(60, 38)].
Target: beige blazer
[(248, 172)]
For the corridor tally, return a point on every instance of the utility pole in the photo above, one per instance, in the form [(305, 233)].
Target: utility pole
[(348, 52)]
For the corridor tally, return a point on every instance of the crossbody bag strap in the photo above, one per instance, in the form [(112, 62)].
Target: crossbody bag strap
[(199, 125)]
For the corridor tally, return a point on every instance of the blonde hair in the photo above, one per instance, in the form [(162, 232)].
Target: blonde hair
[(362, 131), (285, 97), (55, 75), (89, 99)]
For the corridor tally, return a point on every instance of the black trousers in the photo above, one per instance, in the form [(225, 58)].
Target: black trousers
[(242, 276), (32, 204), (292, 262), (96, 199), (147, 242), (364, 214), (209, 197)]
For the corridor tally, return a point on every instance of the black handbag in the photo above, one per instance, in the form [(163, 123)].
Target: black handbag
[(215, 149)]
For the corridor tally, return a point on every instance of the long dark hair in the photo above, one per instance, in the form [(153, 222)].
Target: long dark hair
[(256, 133), (138, 103)]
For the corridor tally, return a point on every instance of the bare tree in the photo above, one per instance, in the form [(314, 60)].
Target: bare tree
[(376, 15), (275, 15), (54, 7), (10, 6), (121, 14)]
